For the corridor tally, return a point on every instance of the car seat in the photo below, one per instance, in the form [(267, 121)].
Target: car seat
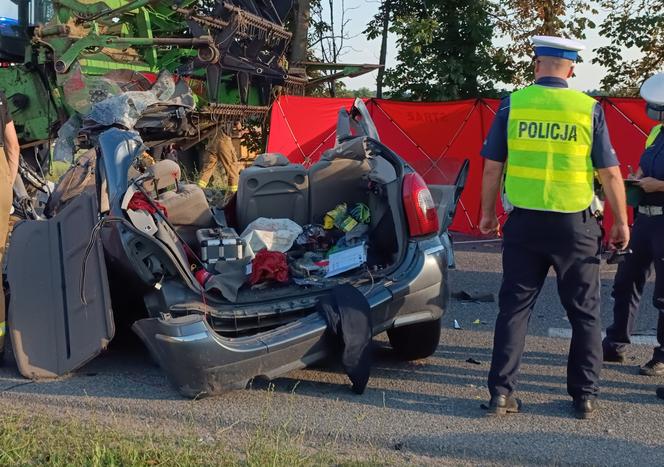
[(187, 207), (186, 204), (273, 188), (339, 177)]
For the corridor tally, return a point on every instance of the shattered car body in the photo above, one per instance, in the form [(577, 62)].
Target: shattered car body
[(92, 250)]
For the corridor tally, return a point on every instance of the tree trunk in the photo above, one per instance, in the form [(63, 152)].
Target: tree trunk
[(301, 32), (333, 84), (383, 49)]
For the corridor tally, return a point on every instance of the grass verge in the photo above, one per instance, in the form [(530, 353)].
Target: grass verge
[(41, 440), (37, 440)]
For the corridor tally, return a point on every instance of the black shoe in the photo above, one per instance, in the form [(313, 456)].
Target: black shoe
[(660, 392), (652, 368), (502, 405), (584, 407), (612, 355)]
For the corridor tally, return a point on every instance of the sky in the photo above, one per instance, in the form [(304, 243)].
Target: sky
[(360, 50), (588, 76)]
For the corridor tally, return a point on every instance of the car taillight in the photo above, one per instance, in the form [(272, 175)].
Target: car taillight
[(419, 206)]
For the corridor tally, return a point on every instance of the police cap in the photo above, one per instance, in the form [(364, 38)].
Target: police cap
[(561, 47)]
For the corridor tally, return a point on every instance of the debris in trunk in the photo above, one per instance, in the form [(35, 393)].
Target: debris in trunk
[(219, 244), (269, 265), (308, 264), (315, 238), (270, 234), (344, 260), (347, 221), (473, 361), (229, 278)]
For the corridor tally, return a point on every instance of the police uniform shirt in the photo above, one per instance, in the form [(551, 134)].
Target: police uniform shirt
[(652, 165), (602, 153)]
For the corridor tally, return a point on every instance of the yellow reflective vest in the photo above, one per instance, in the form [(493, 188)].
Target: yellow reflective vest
[(653, 135), (549, 141)]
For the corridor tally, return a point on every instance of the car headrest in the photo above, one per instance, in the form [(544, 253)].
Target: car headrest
[(271, 159), (166, 174)]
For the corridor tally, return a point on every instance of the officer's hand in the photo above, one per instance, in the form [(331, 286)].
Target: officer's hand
[(489, 224), (619, 236), (650, 184)]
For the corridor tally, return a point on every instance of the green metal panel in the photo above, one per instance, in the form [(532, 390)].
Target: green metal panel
[(32, 109)]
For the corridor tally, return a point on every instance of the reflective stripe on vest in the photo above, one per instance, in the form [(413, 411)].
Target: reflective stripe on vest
[(549, 140), (653, 135)]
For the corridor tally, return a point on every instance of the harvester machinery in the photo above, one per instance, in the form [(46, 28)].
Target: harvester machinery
[(78, 52)]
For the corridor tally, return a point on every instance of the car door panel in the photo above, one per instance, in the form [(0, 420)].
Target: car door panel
[(53, 330)]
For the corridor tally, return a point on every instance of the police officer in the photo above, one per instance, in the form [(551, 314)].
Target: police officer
[(9, 157), (548, 140), (647, 243)]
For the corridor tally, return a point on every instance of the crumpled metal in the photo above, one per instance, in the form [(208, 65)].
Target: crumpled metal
[(126, 109)]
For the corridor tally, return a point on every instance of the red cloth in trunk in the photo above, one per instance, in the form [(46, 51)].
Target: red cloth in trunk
[(269, 265), (139, 202)]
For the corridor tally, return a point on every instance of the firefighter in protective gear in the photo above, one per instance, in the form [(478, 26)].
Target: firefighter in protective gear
[(647, 243), (220, 149), (9, 159), (546, 142)]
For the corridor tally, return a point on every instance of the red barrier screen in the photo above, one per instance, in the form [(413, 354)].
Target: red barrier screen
[(430, 135)]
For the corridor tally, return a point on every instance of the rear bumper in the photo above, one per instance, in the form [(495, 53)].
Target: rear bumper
[(200, 363)]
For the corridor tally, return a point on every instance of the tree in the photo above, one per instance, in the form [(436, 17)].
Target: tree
[(300, 43), (637, 25), (518, 20), (379, 26), (362, 92), (328, 34), (445, 50)]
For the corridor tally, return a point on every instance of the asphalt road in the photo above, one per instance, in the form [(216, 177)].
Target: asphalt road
[(427, 412)]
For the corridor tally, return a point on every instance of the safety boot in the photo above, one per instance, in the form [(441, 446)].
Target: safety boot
[(502, 405), (652, 368), (584, 407)]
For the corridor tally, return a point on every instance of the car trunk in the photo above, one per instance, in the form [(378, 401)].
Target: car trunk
[(357, 171)]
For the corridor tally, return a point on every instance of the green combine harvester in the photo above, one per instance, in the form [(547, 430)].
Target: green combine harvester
[(66, 55)]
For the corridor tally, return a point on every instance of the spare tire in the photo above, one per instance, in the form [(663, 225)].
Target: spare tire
[(416, 341)]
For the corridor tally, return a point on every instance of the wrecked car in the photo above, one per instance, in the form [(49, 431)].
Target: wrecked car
[(101, 258)]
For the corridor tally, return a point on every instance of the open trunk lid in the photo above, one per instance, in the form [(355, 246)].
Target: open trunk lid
[(53, 332)]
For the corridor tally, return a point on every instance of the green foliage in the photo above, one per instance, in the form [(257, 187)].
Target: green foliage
[(324, 89), (445, 50), (363, 93), (516, 21), (631, 25)]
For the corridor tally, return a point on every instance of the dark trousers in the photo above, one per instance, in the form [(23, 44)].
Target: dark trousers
[(534, 242), (647, 244)]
